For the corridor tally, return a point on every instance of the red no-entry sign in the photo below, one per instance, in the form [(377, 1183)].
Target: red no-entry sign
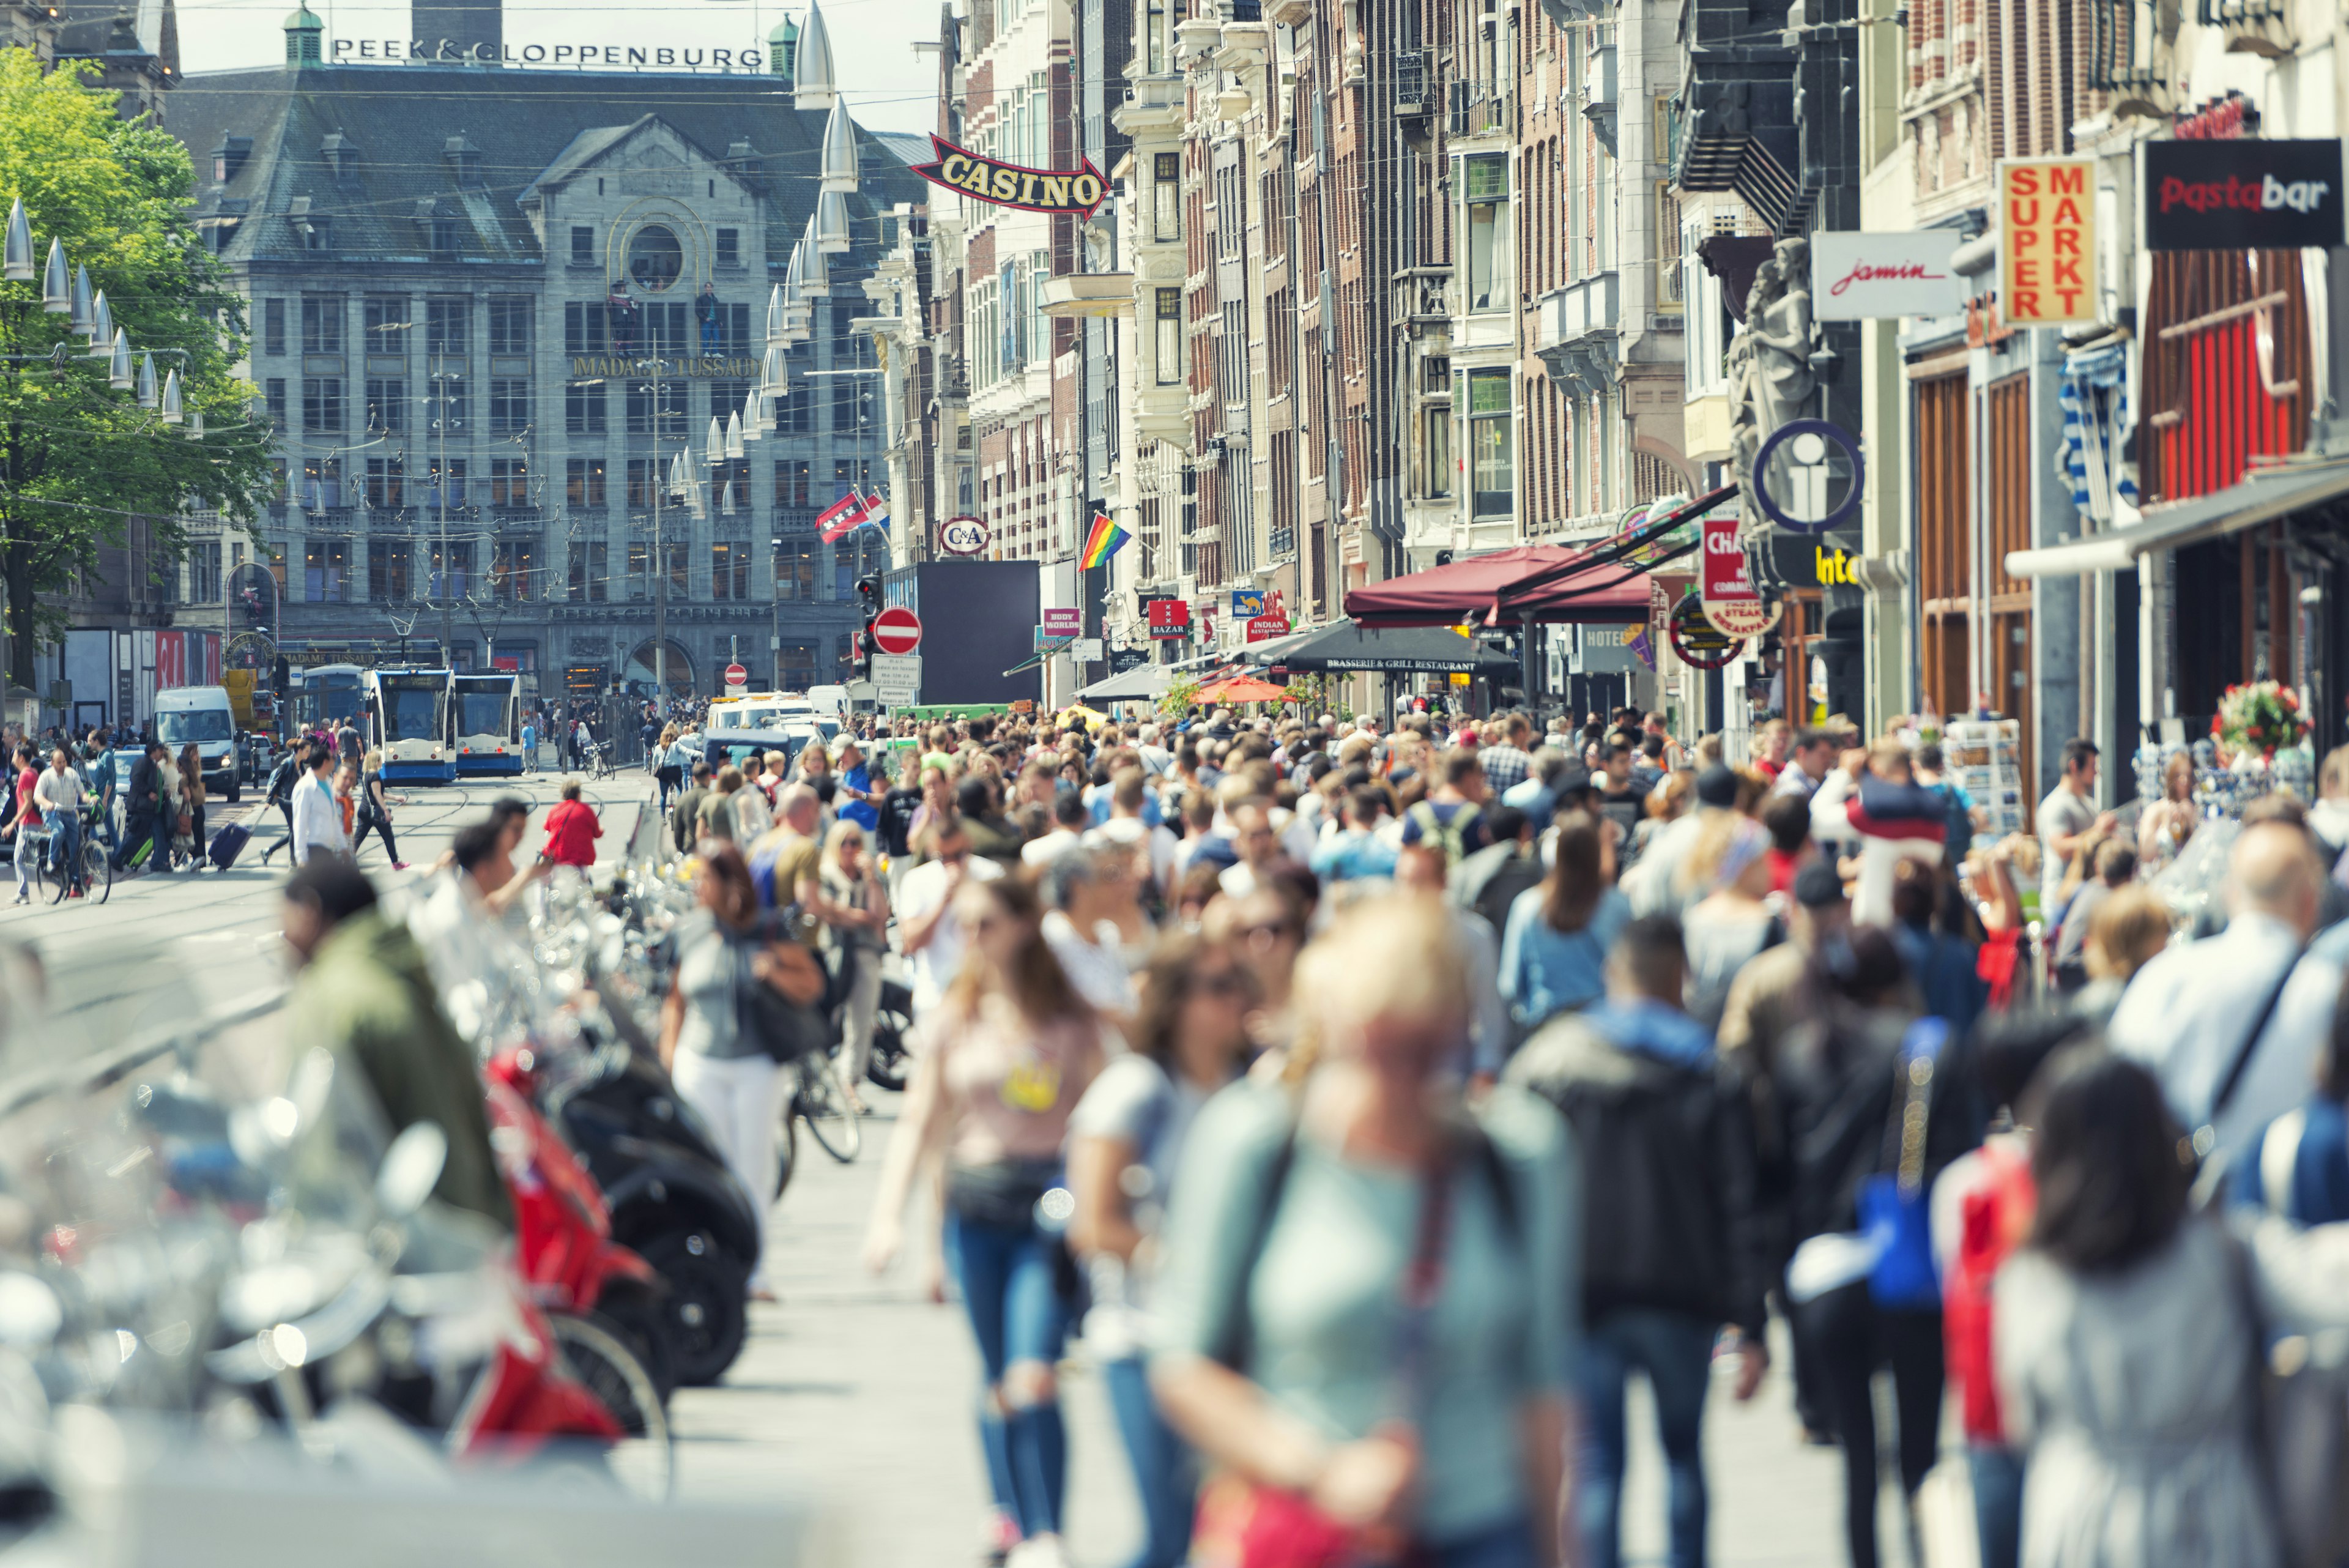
[(737, 676), (896, 630)]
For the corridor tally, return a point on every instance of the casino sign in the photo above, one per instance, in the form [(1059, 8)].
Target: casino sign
[(1073, 191)]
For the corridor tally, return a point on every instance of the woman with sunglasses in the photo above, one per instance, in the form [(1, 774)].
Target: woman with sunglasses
[(1189, 1038), (1006, 1056)]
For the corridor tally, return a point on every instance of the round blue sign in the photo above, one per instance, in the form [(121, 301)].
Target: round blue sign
[(1806, 441)]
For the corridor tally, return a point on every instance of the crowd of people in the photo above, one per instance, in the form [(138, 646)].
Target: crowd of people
[(1377, 1104)]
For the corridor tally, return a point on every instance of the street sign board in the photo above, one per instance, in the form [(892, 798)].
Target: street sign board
[(1170, 618), (1264, 628), (737, 676), (897, 679), (1062, 621), (1088, 649), (895, 630), (1724, 585)]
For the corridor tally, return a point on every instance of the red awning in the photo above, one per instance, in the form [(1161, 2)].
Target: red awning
[(1468, 590)]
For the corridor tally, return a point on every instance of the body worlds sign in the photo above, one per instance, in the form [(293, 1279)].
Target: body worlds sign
[(2047, 241), (1078, 191), (2242, 194)]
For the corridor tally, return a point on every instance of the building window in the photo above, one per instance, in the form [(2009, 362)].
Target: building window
[(1169, 313), (272, 327), (795, 409), (1165, 190), (795, 665), (385, 489), (729, 571), (509, 482), (583, 245), (1486, 184), (843, 570), (1439, 453), (792, 483), (585, 329), (733, 484), (324, 564), (796, 568), (204, 573), (514, 563), (591, 564), (277, 484), (670, 397), (726, 400), (640, 483), (1492, 466), (584, 408), (384, 320), (322, 484), (729, 247), (509, 406), (387, 570), (447, 577), (1155, 56), (322, 324), (679, 570), (510, 325), (639, 570), (447, 325), (444, 237), (582, 483), (386, 405), (450, 404), (436, 494), (322, 404), (273, 393)]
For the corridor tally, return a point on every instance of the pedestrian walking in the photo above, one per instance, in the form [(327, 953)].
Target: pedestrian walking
[(858, 946), (571, 829), (373, 811), (1009, 1051), (279, 792), (1126, 1141), (145, 826), (24, 829), (317, 815), (1554, 949), (670, 772), (1365, 1316), (192, 797)]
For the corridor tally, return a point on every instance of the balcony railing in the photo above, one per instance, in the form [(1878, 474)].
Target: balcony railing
[(1412, 96)]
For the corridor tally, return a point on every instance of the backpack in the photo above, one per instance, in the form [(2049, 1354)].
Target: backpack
[(1452, 836)]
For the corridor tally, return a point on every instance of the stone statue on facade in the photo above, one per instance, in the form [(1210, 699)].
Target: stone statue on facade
[(1769, 363)]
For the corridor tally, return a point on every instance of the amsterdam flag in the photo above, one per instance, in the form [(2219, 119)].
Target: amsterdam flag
[(840, 519)]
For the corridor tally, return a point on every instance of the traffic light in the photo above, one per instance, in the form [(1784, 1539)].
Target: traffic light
[(868, 600)]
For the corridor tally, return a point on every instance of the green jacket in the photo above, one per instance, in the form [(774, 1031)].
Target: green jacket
[(685, 817), (366, 996)]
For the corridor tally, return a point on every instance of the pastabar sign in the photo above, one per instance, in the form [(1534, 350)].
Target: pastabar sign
[(2047, 241), (1877, 277), (1076, 191), (2242, 193)]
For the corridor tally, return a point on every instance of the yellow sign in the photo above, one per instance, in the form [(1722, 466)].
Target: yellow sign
[(2047, 241), (1460, 677)]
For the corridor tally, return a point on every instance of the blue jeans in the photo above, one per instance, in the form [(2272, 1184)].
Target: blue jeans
[(1510, 1546), (1164, 1470), (65, 841), (1676, 1350), (1997, 1476), (1008, 1279)]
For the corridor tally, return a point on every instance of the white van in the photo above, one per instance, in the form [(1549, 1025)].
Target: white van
[(831, 705), (201, 715)]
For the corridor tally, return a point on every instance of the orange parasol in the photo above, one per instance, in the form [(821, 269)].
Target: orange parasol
[(1244, 689)]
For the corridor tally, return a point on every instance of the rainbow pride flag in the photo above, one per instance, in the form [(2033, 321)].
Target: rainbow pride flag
[(1105, 540)]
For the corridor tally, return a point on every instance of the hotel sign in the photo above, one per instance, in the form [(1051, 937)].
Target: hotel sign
[(1074, 191), (585, 367)]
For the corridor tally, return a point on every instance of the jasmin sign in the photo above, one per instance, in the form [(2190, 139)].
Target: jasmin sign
[(2047, 241), (1873, 277)]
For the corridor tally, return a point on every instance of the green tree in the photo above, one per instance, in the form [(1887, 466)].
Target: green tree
[(79, 461)]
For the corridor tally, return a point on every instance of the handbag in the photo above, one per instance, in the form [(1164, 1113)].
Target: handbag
[(1892, 1208), (785, 1028)]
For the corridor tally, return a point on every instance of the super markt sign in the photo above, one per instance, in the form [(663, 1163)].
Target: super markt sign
[(2047, 241), (1009, 185)]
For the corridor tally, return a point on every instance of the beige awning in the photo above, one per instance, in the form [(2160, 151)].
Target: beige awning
[(2266, 494)]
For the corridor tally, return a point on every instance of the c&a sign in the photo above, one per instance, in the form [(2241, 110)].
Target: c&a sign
[(1076, 191), (2047, 241)]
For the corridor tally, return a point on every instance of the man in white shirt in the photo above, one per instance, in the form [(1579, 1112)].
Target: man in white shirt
[(2187, 1013), (1128, 828), (1084, 890), (1070, 818), (57, 792), (926, 922), (317, 816), (1812, 756)]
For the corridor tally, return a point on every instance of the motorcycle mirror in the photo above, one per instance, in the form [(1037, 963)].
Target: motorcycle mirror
[(412, 1168)]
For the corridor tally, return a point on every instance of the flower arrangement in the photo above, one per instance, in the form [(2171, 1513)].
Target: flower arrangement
[(2259, 717)]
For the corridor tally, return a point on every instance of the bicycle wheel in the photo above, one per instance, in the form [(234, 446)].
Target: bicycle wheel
[(96, 871), (825, 1110), (891, 1061), (643, 1460), (54, 884)]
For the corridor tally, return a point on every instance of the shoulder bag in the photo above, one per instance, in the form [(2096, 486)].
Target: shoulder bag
[(778, 1013), (1892, 1208)]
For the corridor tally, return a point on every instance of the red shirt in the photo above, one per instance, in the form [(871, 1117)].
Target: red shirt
[(27, 812), (571, 829)]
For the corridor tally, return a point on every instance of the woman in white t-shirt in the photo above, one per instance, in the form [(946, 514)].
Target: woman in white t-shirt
[(1124, 1141)]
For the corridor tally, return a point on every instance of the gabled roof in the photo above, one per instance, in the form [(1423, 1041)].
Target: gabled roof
[(584, 149)]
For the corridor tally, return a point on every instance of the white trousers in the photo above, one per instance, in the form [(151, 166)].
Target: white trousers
[(742, 1098), (863, 1004)]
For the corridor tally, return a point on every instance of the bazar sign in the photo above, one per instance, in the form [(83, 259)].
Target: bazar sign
[(1170, 618), (1876, 277), (2047, 241), (578, 57), (2242, 194), (1011, 185)]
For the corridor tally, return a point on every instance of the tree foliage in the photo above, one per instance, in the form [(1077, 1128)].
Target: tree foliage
[(79, 461)]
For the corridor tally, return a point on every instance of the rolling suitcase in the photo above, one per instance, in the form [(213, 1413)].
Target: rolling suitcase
[(227, 844)]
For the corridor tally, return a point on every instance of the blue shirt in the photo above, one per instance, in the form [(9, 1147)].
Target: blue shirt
[(1534, 798), (1353, 855), (860, 812), (529, 737), (2319, 1191), (1098, 802), (1545, 971)]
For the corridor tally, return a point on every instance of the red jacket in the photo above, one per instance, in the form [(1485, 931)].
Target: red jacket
[(571, 829)]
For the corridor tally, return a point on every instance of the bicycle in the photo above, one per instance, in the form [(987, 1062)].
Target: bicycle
[(598, 761), (814, 1099), (92, 870)]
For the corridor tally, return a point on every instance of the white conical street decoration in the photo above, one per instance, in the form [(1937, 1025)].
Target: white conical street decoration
[(811, 81), (118, 363), (815, 277), (733, 435), (677, 476), (173, 412), (83, 322), (150, 396), (773, 377), (778, 325), (832, 223), (717, 441), (840, 151), (753, 417), (57, 282), (195, 426), (101, 327), (17, 259)]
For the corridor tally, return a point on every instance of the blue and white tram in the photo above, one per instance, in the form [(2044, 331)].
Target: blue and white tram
[(410, 714), (485, 724), (324, 696)]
